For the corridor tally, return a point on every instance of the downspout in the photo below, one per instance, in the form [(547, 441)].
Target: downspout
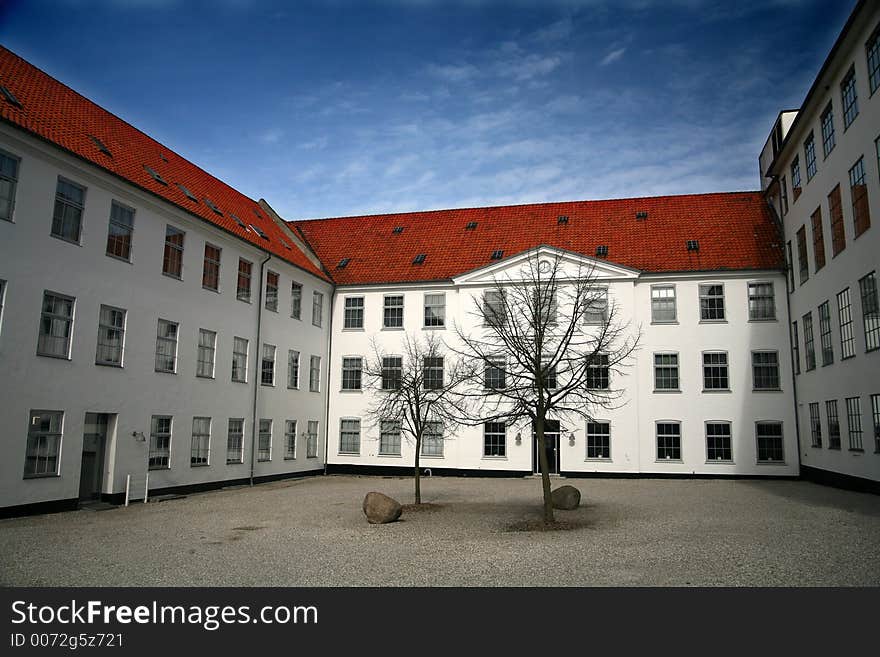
[(258, 361), (797, 415), (329, 371)]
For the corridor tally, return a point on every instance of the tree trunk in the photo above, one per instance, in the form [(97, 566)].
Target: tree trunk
[(545, 475), (418, 480)]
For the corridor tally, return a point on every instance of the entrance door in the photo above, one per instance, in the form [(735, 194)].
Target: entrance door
[(91, 476), (551, 446)]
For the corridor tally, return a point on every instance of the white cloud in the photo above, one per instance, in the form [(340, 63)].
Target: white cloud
[(613, 56)]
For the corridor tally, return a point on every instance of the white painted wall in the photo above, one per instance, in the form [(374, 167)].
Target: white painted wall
[(32, 261)]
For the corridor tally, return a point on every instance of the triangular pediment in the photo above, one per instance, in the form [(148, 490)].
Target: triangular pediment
[(570, 265)]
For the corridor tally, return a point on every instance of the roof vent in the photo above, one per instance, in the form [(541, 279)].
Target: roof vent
[(259, 232), (419, 259), (101, 146), (257, 212), (188, 193), (238, 221), (641, 216), (471, 225), (397, 230), (211, 205), (163, 158), (10, 97), (602, 250), (286, 245), (497, 254), (693, 245), (343, 263), (562, 219), (155, 174)]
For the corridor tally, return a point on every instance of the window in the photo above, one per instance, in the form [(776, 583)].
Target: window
[(495, 439), (2, 299), (872, 54), (809, 348), (201, 441), (160, 442), (875, 412), (825, 334), (432, 439), (854, 422), (596, 310), (769, 438), (243, 291), (315, 374), (765, 370), (859, 192), (597, 372), (544, 303), (351, 373), (264, 441), (493, 307), (267, 365), (795, 348), (389, 438), (435, 310), (815, 425), (207, 349), (495, 373), (235, 441), (598, 440), (172, 260), (711, 303), (67, 218), (827, 121), (803, 263), (715, 375), (844, 315), (119, 233), (56, 325), (239, 359), (43, 443), (290, 439), (166, 346), (795, 178), (663, 303), (870, 311), (433, 372), (835, 210), (272, 291), (548, 373), (818, 239), (849, 98), (666, 372), (211, 268), (292, 369), (317, 308), (8, 182), (312, 440), (718, 446), (392, 372), (783, 197), (296, 293), (350, 436), (810, 156), (392, 312), (789, 266), (111, 336), (833, 424), (354, 313), (668, 441)]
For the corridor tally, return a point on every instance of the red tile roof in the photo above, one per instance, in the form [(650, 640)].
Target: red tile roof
[(59, 115), (735, 232)]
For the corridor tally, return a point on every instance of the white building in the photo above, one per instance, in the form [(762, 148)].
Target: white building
[(820, 172)]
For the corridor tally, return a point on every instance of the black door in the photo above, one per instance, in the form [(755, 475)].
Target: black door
[(91, 476), (551, 446)]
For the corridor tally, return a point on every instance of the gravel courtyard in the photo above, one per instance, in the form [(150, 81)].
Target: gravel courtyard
[(312, 532)]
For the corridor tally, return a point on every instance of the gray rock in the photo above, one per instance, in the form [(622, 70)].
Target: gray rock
[(380, 508), (566, 498)]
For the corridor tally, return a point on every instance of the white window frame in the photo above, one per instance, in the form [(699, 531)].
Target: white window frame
[(52, 440), (312, 439), (68, 204), (781, 443), (296, 291), (432, 308), (237, 357), (753, 316), (200, 448), (667, 459), (231, 439), (346, 444), (392, 429), (206, 354), (41, 350), (497, 446), (729, 425), (104, 327), (317, 308), (214, 264), (755, 387), (264, 453), (156, 452), (429, 434), (703, 293), (264, 360), (357, 313), (597, 305), (386, 308), (351, 364), (160, 339), (703, 365), (293, 369), (13, 183), (271, 300), (314, 373), (594, 434), (677, 366), (290, 440), (122, 227), (172, 231), (664, 300), (243, 293)]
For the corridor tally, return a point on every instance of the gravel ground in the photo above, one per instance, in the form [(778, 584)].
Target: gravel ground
[(312, 532)]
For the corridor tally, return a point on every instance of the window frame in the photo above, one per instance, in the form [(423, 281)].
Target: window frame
[(826, 341), (264, 450), (755, 366), (68, 203), (53, 451), (314, 380), (352, 374), (195, 457), (296, 292), (173, 253), (347, 446), (429, 311), (263, 362), (390, 429), (870, 311), (236, 357), (849, 97), (858, 193), (815, 425), (317, 308), (290, 439), (70, 320), (726, 365), (666, 366), (430, 434), (728, 448), (353, 313), (832, 413), (590, 440), (829, 139), (121, 227), (390, 312), (703, 294), (658, 300), (845, 325), (758, 459), (495, 449), (156, 453), (211, 265), (854, 423), (101, 330), (230, 444), (293, 363), (312, 439), (273, 281), (206, 350), (809, 341), (673, 447), (13, 183), (161, 339), (243, 293)]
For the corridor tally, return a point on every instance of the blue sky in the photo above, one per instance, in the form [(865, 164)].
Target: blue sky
[(347, 107)]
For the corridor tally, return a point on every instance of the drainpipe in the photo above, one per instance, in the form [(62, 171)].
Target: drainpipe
[(797, 415), (258, 361), (329, 371)]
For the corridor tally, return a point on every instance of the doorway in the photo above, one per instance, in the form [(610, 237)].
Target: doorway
[(91, 477), (551, 446)]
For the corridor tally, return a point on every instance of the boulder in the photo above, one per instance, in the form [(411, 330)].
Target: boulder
[(566, 498), (380, 508)]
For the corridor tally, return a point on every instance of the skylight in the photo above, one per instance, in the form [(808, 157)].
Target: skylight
[(641, 216), (10, 97), (162, 157), (188, 193), (471, 225), (286, 245), (238, 221), (100, 145), (419, 259), (602, 250), (211, 205), (562, 219), (497, 254), (343, 263), (693, 245), (259, 232), (155, 174), (397, 230), (257, 212)]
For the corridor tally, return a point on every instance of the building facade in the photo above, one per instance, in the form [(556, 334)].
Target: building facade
[(820, 173)]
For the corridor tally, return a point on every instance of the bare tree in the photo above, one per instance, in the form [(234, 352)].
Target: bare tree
[(413, 393), (549, 344)]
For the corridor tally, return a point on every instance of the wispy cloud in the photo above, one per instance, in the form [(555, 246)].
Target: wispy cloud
[(613, 56)]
